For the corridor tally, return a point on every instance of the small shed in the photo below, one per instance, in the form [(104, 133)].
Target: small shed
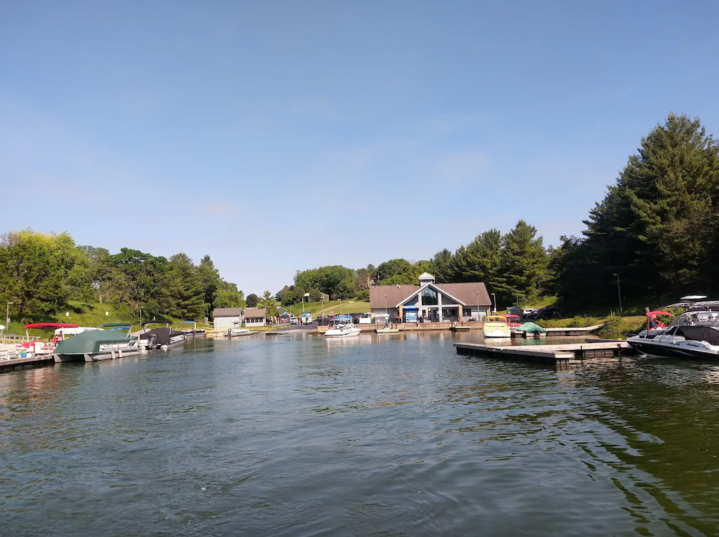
[(227, 318), (255, 317)]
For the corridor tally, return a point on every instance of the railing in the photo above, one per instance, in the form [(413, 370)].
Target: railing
[(8, 355)]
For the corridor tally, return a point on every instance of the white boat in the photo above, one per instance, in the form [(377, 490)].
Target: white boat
[(341, 326), (234, 332), (694, 334), (496, 326)]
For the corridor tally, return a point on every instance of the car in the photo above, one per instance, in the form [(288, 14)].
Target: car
[(550, 312), (293, 320), (529, 313)]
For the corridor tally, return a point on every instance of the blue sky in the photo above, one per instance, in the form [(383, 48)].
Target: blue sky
[(278, 136)]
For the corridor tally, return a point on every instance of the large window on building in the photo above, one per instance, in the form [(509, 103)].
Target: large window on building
[(429, 297)]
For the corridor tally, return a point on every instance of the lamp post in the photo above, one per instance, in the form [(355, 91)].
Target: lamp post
[(140, 315), (619, 291), (470, 313), (7, 315), (494, 295)]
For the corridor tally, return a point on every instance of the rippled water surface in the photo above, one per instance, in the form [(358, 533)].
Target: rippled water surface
[(360, 436)]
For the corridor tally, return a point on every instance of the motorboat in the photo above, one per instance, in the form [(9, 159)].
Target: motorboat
[(496, 326), (342, 326), (237, 330), (160, 338), (655, 326), (694, 334), (513, 321), (106, 343)]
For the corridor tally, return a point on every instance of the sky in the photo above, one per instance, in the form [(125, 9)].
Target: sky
[(279, 136)]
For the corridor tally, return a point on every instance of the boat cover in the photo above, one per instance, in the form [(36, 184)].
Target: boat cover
[(700, 333), (162, 335), (90, 341), (531, 328)]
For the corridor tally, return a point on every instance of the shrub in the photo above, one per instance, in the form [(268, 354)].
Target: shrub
[(363, 295)]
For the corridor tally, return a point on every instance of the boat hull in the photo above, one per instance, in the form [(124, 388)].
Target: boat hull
[(693, 350), (497, 333), (343, 333)]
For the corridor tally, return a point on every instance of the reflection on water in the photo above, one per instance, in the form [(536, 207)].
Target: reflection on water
[(391, 435)]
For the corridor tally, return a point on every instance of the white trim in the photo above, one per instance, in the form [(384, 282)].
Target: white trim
[(438, 289)]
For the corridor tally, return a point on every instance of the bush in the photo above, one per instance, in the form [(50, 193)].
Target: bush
[(613, 327), (363, 295)]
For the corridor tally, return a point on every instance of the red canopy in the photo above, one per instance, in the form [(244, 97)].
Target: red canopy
[(43, 326), (655, 313)]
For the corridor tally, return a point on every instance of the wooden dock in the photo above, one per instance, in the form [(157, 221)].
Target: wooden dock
[(12, 363), (545, 354), (571, 332)]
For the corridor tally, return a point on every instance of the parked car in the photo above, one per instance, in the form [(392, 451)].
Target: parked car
[(293, 320), (529, 313), (550, 312)]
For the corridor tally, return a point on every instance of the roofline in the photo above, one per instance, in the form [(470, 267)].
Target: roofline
[(436, 288)]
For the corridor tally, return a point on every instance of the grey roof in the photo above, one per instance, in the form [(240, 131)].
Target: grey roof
[(227, 312), (469, 294), (253, 313)]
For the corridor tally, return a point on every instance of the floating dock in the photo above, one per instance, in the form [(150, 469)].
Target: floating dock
[(546, 354), (11, 362)]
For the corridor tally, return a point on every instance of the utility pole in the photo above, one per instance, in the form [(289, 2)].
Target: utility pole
[(619, 291)]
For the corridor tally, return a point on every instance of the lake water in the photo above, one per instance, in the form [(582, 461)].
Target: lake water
[(359, 436)]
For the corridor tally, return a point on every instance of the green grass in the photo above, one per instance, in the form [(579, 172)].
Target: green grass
[(315, 308)]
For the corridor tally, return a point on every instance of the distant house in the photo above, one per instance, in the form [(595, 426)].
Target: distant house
[(255, 317), (227, 318), (435, 302)]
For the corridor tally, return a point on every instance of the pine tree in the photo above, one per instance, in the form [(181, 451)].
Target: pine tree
[(523, 265), (185, 288)]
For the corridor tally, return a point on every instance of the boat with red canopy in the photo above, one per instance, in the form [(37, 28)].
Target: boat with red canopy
[(45, 347)]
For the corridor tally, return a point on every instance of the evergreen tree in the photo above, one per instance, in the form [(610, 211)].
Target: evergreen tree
[(210, 278), (185, 288), (524, 264), (442, 266), (270, 305)]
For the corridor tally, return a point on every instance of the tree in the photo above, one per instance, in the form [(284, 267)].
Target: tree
[(315, 295), (228, 296), (395, 271), (523, 264), (657, 226), (479, 261), (185, 288), (270, 305), (40, 273), (210, 281), (139, 278), (442, 266), (252, 300), (100, 270)]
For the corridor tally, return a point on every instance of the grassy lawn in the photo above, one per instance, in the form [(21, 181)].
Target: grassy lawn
[(330, 308)]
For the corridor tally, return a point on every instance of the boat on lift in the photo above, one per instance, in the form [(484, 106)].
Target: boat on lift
[(342, 326), (236, 330), (160, 338), (106, 343), (694, 334)]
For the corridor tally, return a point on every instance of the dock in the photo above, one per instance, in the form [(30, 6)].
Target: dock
[(570, 332), (10, 361), (545, 354)]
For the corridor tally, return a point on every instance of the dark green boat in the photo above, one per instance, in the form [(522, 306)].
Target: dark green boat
[(96, 345)]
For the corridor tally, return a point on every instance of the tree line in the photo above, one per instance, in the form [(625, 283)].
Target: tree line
[(655, 233), (44, 274)]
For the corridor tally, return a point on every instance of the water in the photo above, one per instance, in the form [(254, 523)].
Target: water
[(359, 436)]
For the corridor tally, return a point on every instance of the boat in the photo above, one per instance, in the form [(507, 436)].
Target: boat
[(160, 338), (655, 326), (341, 326), (237, 330), (513, 321), (694, 334), (106, 343), (496, 326)]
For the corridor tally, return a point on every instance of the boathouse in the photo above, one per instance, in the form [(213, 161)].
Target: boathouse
[(227, 318), (433, 302), (255, 317)]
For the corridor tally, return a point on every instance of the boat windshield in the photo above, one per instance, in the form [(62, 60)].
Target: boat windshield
[(697, 318)]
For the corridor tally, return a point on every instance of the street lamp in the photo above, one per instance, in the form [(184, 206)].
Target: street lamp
[(619, 291), (7, 315), (140, 315), (494, 295), (470, 313)]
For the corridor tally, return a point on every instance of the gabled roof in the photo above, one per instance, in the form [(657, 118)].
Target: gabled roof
[(425, 276), (467, 294), (253, 313), (395, 294), (227, 312)]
